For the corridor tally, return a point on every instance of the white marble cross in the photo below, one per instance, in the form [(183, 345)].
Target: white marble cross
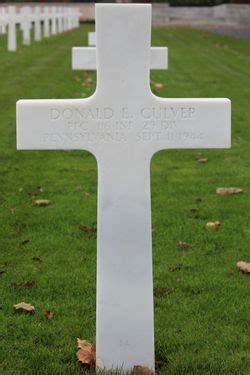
[(60, 20), (3, 22), (85, 57), (54, 28), (123, 124), (12, 19), (37, 21), (26, 24), (46, 25)]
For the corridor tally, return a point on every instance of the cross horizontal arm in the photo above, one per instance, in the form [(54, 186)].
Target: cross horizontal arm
[(186, 123), (85, 58), (58, 124)]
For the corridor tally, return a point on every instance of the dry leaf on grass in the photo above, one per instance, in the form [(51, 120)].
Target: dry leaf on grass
[(179, 279), (161, 291), (199, 200), (36, 259), (142, 370), (243, 266), (212, 224), (178, 267), (24, 242), (41, 202), (202, 160), (183, 244), (86, 353), (48, 314), (159, 85), (23, 306), (86, 229), (27, 284), (229, 190)]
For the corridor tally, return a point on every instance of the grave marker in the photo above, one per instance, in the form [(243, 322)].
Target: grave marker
[(37, 21), (60, 20), (123, 124), (26, 24), (46, 22), (3, 22), (11, 28), (53, 21)]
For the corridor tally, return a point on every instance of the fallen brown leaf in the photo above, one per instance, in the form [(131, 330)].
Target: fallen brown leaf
[(86, 353), (202, 160), (88, 82), (24, 242), (175, 268), (229, 190), (161, 291), (41, 202), (183, 244), (48, 314), (178, 267), (194, 209), (86, 229), (159, 85), (36, 259), (179, 280), (142, 370), (27, 284), (243, 266), (212, 224), (198, 200), (23, 306)]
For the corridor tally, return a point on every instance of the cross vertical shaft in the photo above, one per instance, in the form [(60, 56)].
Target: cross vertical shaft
[(124, 264), (124, 248)]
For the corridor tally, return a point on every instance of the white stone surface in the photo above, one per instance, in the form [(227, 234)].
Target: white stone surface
[(46, 26), (60, 20), (11, 28), (26, 24), (53, 21), (3, 21), (91, 38), (37, 21), (123, 124), (85, 58)]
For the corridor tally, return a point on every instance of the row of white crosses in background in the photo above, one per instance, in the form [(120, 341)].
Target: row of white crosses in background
[(123, 124), (55, 20)]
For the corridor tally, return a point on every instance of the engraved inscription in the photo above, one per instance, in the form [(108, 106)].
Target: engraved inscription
[(97, 124)]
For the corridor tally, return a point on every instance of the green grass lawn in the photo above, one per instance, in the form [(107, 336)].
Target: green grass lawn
[(202, 326)]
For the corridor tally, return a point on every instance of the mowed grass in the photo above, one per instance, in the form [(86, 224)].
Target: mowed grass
[(202, 326)]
